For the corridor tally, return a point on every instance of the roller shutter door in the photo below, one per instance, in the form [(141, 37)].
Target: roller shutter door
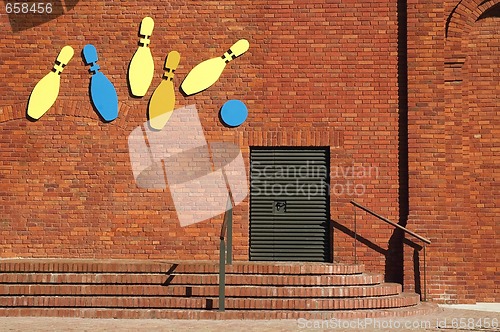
[(289, 204)]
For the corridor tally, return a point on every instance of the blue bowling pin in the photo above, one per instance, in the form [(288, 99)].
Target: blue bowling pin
[(102, 91)]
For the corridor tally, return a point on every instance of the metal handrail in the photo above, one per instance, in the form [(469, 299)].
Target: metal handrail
[(225, 255), (421, 238)]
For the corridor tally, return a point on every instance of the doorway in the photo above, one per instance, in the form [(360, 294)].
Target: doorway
[(289, 204)]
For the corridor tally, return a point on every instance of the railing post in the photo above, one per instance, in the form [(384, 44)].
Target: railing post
[(355, 238), (424, 240), (229, 214), (425, 276), (222, 275), (227, 226)]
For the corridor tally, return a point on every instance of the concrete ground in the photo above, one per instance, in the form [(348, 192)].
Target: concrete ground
[(480, 317), (492, 307)]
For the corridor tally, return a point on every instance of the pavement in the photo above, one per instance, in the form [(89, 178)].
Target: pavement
[(480, 317), (480, 306)]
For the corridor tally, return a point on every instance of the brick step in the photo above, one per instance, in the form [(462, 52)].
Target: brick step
[(268, 279), (201, 291), (190, 279), (420, 309), (190, 267), (149, 289), (381, 302)]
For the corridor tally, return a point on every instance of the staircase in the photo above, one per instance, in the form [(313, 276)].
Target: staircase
[(189, 290)]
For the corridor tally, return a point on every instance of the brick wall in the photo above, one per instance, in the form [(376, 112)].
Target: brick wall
[(326, 68), (448, 111), (318, 73), (483, 85)]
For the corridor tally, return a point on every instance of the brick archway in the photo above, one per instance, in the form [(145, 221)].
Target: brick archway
[(459, 24), (463, 16), (458, 118), (440, 145)]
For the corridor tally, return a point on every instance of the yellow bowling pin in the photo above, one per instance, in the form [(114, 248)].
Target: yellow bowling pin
[(46, 90), (141, 69), (161, 105), (206, 73)]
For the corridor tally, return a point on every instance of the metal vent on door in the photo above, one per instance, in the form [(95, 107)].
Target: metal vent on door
[(289, 204)]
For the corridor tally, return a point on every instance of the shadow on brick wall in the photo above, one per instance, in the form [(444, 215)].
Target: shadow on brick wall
[(417, 250), (394, 265), (344, 229), (27, 15)]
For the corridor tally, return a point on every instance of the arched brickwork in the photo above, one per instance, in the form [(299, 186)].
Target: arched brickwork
[(481, 89), (464, 155), (459, 25), (441, 146)]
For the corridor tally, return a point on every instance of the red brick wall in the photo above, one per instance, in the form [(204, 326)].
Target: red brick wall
[(447, 108), (326, 68), (426, 130), (317, 73), (483, 85)]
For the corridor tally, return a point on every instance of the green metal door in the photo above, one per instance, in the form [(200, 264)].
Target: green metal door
[(289, 204)]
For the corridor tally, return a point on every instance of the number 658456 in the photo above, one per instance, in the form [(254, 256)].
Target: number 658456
[(28, 8)]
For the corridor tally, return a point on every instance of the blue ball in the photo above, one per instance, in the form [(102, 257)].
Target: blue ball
[(233, 113)]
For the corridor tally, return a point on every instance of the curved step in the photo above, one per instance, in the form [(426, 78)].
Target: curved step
[(282, 268), (379, 302), (189, 279), (190, 267), (202, 291), (270, 279), (82, 278), (148, 289), (420, 309), (393, 301)]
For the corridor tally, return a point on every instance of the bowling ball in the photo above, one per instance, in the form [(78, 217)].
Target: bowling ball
[(233, 113), (36, 13)]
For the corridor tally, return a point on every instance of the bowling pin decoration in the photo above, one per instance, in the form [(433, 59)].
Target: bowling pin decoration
[(141, 69), (206, 73), (46, 90), (161, 105), (102, 91)]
